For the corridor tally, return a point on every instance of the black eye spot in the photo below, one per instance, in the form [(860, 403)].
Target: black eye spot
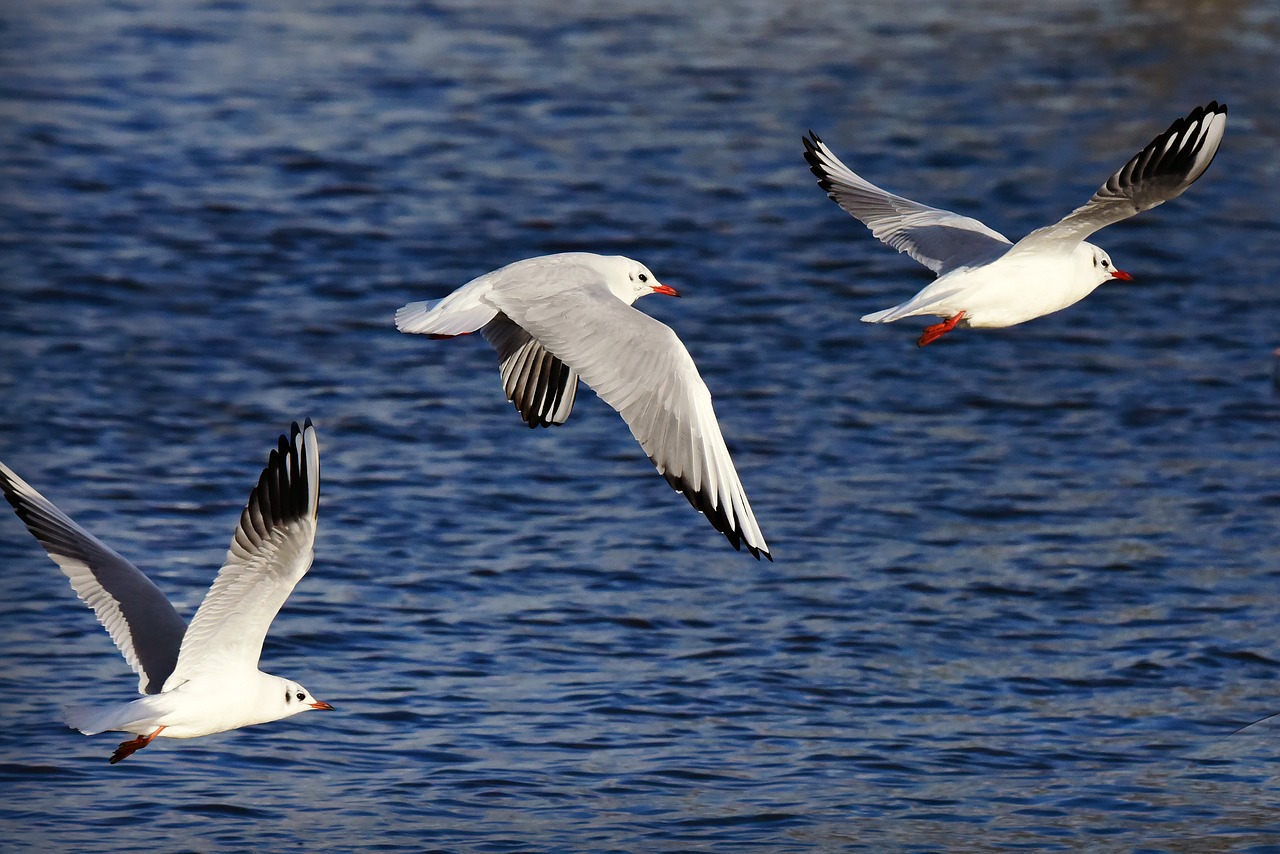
[(643, 277), (301, 696), (288, 698)]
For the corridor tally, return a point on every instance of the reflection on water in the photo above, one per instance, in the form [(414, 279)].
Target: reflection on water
[(1025, 579)]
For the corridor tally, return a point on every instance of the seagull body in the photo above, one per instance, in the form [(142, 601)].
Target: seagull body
[(256, 699), (556, 319), (986, 280), (203, 678)]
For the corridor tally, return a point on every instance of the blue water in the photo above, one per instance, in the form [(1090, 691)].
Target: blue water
[(1025, 582)]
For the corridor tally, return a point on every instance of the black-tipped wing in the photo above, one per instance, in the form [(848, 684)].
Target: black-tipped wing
[(269, 554), (142, 622), (1162, 171), (541, 387), (940, 240)]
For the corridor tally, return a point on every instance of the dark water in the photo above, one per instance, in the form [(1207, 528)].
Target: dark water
[(1026, 579)]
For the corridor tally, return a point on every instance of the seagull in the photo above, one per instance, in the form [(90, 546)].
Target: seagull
[(986, 280), (557, 318), (203, 678)]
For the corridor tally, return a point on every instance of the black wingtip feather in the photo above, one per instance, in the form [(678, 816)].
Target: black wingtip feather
[(1161, 159), (281, 494), (21, 506), (716, 515), (815, 165), (10, 492)]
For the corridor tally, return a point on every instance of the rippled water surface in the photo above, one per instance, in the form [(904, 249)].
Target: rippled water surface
[(1025, 580)]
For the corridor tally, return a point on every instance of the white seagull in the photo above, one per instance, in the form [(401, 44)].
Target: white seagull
[(558, 318), (985, 280), (204, 678)]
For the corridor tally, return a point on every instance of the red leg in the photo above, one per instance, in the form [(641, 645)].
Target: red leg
[(933, 333), (128, 748)]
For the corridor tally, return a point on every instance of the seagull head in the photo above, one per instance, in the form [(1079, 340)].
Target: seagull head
[(629, 280), (1103, 268), (292, 698)]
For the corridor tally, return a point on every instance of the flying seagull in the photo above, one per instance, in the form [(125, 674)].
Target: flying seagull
[(984, 279), (203, 678), (557, 318)]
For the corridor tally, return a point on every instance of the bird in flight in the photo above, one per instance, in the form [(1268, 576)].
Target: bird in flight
[(556, 319), (203, 678), (986, 280)]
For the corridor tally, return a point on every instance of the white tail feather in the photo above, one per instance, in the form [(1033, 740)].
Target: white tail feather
[(87, 718), (922, 303), (91, 719), (457, 314), (880, 316), (416, 316)]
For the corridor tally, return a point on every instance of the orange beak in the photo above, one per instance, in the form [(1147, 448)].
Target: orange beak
[(666, 289), (322, 705), (1121, 275)]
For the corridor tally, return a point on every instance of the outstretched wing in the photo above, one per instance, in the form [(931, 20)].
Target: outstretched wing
[(940, 240), (271, 551), (639, 367), (142, 622), (1162, 171)]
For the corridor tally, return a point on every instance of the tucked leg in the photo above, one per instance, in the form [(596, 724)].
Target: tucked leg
[(128, 748), (933, 333)]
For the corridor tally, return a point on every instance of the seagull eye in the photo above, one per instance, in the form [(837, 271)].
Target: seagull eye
[(1105, 263), (643, 277), (301, 696)]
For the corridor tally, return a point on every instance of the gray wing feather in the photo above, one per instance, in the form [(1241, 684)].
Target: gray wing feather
[(939, 239)]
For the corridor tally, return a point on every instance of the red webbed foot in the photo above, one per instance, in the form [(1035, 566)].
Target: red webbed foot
[(933, 333), (132, 746)]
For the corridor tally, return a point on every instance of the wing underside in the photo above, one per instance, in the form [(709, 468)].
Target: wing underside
[(139, 618), (941, 240), (541, 387)]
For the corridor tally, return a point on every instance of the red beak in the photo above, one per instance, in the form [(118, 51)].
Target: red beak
[(666, 289), (322, 705), (1121, 275)]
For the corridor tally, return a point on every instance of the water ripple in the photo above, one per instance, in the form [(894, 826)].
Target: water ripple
[(1024, 580)]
